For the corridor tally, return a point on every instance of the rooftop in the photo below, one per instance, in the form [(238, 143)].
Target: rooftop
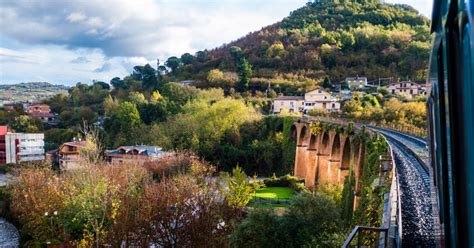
[(144, 150), (290, 98), (82, 143), (41, 114)]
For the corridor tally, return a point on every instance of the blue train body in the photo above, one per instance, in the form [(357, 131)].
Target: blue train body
[(451, 118)]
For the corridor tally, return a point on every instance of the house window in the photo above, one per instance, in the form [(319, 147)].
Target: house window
[(325, 97), (393, 91), (324, 105), (333, 105), (411, 91)]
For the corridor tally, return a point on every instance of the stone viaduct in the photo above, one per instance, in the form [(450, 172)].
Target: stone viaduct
[(326, 157)]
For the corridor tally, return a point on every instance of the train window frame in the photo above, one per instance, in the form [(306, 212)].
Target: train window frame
[(468, 115)]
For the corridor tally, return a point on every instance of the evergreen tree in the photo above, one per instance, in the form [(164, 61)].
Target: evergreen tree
[(244, 69), (327, 84)]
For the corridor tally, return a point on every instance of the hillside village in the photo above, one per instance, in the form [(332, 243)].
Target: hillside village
[(331, 100)]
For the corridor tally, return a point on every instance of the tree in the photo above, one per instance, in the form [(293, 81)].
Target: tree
[(261, 228), (327, 84), (118, 83), (239, 192), (102, 85), (244, 70), (119, 127), (147, 75), (174, 63), (25, 123), (311, 221), (215, 76), (90, 154), (110, 105), (236, 53), (187, 58), (202, 56), (136, 98), (86, 115), (155, 96)]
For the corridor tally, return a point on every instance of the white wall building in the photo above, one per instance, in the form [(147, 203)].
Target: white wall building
[(315, 99), (407, 87), (291, 103), (356, 82), (322, 100), (24, 147)]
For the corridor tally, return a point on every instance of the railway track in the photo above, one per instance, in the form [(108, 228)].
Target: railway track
[(417, 215)]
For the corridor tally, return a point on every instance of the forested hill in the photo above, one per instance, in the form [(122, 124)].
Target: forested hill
[(325, 38)]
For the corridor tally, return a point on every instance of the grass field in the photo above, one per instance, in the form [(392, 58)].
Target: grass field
[(275, 197), (275, 193)]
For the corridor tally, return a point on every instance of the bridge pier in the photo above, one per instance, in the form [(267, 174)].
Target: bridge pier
[(327, 157), (301, 161), (311, 168)]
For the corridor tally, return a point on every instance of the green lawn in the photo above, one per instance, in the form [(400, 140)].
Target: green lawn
[(275, 193), (274, 197)]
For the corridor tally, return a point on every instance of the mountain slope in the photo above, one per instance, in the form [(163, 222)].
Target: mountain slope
[(328, 38)]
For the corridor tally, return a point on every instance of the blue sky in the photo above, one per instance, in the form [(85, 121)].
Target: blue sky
[(66, 41)]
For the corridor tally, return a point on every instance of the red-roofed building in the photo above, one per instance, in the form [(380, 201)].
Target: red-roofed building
[(43, 112), (38, 108)]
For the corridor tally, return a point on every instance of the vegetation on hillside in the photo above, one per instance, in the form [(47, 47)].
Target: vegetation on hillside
[(326, 38)]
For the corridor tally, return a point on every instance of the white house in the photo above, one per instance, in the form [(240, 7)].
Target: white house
[(291, 103), (315, 99), (356, 82), (408, 87), (321, 99)]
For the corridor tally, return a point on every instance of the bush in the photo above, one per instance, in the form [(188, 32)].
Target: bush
[(4, 168), (176, 164), (5, 200), (286, 181), (311, 221)]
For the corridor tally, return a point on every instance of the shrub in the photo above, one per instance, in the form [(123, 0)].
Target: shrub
[(286, 181)]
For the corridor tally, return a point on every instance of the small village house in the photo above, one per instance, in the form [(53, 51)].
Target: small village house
[(69, 154), (136, 154)]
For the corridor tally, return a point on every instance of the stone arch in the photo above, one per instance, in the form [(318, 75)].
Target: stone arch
[(346, 154), (313, 142), (303, 135), (324, 143), (336, 147), (293, 133)]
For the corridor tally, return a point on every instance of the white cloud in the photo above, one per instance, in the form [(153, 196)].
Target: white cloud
[(76, 17), (58, 64), (70, 41)]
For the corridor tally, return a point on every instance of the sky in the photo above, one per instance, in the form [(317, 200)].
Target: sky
[(70, 41)]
